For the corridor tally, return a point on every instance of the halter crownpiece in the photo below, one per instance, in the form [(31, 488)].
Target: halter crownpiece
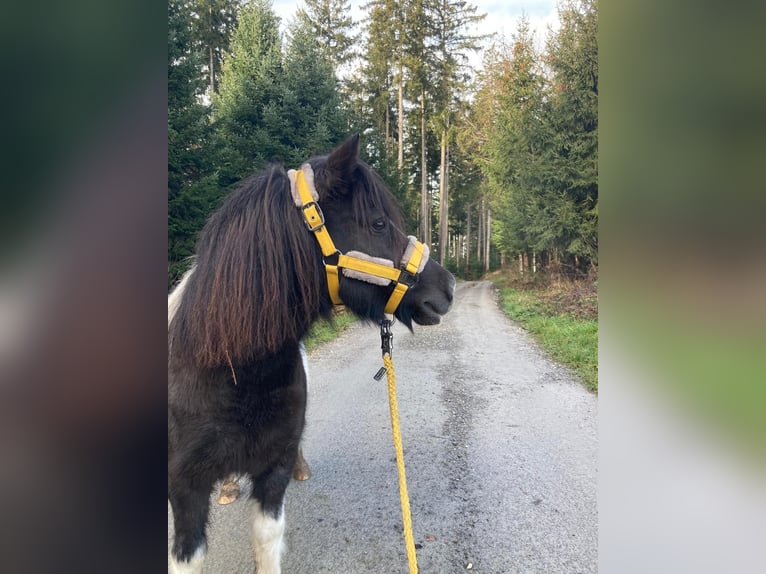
[(355, 264)]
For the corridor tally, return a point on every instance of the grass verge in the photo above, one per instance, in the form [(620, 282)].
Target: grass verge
[(324, 331), (568, 333)]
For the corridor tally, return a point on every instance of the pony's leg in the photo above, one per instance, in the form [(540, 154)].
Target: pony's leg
[(190, 512), (269, 519), (268, 538)]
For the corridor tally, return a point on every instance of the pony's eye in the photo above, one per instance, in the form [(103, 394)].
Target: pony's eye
[(379, 225)]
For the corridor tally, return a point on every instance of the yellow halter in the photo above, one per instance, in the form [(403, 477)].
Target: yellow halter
[(354, 264)]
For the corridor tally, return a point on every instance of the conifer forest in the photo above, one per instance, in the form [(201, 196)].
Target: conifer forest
[(490, 144)]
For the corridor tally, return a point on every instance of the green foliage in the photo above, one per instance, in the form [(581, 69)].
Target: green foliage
[(251, 85), (573, 54), (522, 142), (213, 22), (274, 104), (312, 102), (324, 331), (330, 23), (542, 162), (191, 189)]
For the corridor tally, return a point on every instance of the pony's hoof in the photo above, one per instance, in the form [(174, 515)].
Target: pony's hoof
[(229, 492), (301, 471)]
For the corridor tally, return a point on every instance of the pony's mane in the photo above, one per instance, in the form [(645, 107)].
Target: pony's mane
[(258, 279)]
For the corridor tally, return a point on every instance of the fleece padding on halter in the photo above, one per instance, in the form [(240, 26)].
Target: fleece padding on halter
[(363, 276), (355, 264), (408, 259), (413, 261), (308, 173)]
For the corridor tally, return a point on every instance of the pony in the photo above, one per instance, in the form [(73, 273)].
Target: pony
[(236, 370)]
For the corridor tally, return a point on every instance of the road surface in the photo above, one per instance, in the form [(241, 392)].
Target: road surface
[(500, 448)]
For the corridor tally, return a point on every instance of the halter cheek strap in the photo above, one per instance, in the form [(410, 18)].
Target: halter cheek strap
[(354, 264)]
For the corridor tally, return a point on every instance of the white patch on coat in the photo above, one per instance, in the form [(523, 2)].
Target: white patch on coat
[(305, 361), (174, 298), (193, 566), (268, 540)]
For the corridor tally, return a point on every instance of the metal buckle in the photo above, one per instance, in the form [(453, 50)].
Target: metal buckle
[(332, 258), (319, 225), (409, 279), (386, 337)]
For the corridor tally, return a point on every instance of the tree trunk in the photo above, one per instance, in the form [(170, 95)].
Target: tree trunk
[(425, 212), (212, 71), (468, 239), (480, 238), (388, 127), (211, 52), (444, 200), (400, 157), (455, 252), (487, 229)]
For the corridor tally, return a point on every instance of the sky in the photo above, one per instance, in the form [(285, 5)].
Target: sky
[(502, 15)]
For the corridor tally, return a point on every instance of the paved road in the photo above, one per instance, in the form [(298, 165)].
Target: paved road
[(500, 447)]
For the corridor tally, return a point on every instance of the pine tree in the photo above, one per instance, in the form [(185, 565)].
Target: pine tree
[(573, 52), (191, 187), (214, 21), (420, 60), (330, 23), (311, 102), (251, 85), (452, 42), (274, 106), (514, 152), (541, 163), (384, 70), (375, 87)]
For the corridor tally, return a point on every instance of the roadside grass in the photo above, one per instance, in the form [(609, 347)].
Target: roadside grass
[(563, 318), (324, 331)]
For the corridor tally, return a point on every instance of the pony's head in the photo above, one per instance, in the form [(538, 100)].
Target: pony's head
[(259, 279), (362, 216)]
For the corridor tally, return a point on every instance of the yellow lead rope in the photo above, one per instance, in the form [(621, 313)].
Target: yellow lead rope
[(388, 364)]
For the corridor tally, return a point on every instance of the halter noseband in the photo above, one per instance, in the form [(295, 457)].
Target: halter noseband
[(354, 264)]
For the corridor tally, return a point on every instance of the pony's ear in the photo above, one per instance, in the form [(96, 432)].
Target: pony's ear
[(334, 177), (343, 158)]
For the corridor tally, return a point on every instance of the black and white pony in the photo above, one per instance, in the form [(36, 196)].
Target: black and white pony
[(237, 384)]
